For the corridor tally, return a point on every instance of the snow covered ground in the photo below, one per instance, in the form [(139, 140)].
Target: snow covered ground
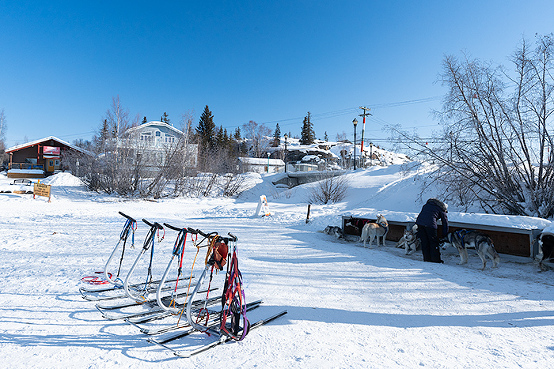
[(348, 306)]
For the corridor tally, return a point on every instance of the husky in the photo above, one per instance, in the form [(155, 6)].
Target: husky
[(464, 239), (372, 231), (409, 240), (333, 230), (546, 243)]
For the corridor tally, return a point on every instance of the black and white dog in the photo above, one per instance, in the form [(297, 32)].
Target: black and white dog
[(546, 243), (464, 239), (409, 240), (334, 230)]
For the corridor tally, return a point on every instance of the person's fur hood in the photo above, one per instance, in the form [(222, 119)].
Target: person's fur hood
[(439, 203)]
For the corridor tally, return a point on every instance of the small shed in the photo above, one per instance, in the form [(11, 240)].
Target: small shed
[(261, 165), (40, 158)]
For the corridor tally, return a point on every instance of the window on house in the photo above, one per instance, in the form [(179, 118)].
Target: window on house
[(169, 138), (158, 134)]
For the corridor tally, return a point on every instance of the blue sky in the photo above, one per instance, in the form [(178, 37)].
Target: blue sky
[(61, 62)]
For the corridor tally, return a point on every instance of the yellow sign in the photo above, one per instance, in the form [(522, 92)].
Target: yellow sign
[(42, 190)]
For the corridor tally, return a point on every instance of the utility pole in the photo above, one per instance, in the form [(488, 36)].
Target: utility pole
[(363, 128)]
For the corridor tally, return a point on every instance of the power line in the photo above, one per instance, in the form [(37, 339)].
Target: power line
[(349, 111)]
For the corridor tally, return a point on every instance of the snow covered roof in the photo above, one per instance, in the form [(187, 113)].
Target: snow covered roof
[(261, 161), (36, 142), (154, 124)]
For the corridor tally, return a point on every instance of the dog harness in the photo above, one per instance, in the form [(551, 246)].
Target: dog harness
[(461, 234)]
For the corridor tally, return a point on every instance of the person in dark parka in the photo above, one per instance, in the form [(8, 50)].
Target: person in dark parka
[(427, 228)]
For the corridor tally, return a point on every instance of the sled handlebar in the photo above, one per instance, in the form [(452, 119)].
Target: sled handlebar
[(128, 217), (153, 225), (201, 233), (176, 228)]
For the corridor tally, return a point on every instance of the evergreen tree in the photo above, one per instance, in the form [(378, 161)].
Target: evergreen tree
[(219, 138), (164, 118), (277, 136), (144, 120), (308, 134), (206, 138), (326, 138), (101, 140), (227, 139), (237, 134), (206, 129)]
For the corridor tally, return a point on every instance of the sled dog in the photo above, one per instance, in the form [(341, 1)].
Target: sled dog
[(372, 231), (333, 230), (546, 243), (409, 240), (464, 239)]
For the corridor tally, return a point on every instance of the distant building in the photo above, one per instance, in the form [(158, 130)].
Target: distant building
[(154, 141), (261, 165), (40, 158)]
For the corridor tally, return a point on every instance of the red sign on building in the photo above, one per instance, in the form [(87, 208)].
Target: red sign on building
[(50, 150)]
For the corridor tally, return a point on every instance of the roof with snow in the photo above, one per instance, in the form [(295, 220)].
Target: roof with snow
[(37, 142), (261, 161), (154, 124)]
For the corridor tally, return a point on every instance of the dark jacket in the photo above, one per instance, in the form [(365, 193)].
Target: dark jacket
[(432, 211)]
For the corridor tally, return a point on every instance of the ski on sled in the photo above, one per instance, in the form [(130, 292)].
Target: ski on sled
[(222, 339), (126, 302), (162, 314), (168, 328), (152, 303), (212, 323), (151, 312)]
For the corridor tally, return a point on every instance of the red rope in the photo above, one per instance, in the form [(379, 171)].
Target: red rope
[(93, 279)]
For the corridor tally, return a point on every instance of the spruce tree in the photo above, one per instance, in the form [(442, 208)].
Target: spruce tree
[(277, 136), (308, 135), (101, 140), (164, 118), (206, 130), (144, 120), (219, 138)]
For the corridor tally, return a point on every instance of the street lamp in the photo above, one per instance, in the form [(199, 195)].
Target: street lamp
[(355, 121), (286, 152)]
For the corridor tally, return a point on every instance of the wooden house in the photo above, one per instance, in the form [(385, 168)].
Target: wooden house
[(40, 158)]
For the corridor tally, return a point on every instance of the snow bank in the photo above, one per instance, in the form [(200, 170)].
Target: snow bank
[(62, 179)]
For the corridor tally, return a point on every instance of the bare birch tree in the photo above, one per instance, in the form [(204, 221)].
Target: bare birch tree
[(258, 137), (496, 147)]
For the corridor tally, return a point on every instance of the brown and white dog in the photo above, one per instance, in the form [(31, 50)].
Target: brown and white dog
[(372, 231), (409, 240), (464, 239)]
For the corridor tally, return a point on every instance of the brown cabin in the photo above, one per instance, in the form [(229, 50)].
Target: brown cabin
[(38, 159)]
